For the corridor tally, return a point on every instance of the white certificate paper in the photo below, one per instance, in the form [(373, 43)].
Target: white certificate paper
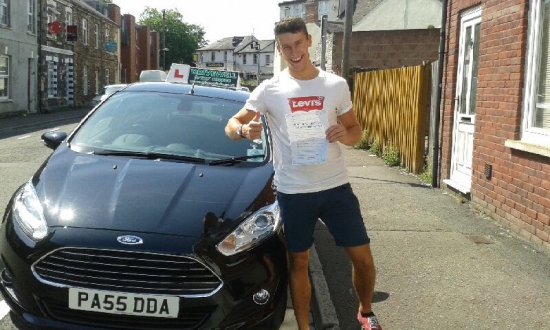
[(308, 141)]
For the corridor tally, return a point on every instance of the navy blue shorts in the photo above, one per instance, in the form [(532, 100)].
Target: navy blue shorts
[(338, 208)]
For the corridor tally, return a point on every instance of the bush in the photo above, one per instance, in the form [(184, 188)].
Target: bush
[(364, 142), (390, 155), (375, 148)]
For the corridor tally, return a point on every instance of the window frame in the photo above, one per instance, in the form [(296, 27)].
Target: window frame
[(96, 33), (6, 76), (85, 80), (529, 133), (85, 32), (52, 77), (5, 17), (31, 16)]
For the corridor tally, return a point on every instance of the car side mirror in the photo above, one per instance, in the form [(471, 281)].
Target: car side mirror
[(53, 139)]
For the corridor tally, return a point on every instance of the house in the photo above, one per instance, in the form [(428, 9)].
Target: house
[(495, 111), (247, 54), (385, 33), (18, 56)]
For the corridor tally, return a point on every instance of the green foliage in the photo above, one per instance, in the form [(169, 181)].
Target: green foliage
[(426, 175), (375, 148), (390, 155), (364, 142), (182, 39)]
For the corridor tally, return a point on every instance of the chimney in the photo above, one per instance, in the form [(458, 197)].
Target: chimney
[(312, 11)]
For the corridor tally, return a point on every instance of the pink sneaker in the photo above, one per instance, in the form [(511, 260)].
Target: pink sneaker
[(368, 323)]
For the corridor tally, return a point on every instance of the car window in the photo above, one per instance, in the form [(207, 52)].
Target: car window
[(186, 125), (111, 89)]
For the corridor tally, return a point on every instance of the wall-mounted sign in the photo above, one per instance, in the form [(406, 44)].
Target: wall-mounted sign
[(215, 65), (54, 27), (72, 34), (111, 46)]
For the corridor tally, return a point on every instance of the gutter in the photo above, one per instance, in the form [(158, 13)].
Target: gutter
[(437, 119)]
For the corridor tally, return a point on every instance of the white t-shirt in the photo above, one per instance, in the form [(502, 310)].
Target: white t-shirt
[(284, 99)]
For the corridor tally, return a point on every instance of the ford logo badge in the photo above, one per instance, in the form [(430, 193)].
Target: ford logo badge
[(129, 239)]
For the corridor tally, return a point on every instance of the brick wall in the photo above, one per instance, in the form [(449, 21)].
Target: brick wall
[(518, 192), (388, 49)]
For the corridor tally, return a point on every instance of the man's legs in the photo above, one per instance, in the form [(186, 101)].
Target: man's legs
[(300, 287), (363, 275)]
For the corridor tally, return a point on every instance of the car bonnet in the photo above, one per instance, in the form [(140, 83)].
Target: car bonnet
[(142, 195)]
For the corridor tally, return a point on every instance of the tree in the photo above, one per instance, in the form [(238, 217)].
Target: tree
[(182, 39)]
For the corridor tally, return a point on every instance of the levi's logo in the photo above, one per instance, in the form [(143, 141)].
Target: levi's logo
[(307, 103)]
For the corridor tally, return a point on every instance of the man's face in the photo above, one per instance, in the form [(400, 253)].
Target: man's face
[(294, 49)]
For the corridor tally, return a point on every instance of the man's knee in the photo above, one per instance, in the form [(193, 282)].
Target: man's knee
[(299, 261)]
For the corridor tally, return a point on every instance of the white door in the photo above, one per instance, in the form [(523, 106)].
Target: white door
[(465, 101)]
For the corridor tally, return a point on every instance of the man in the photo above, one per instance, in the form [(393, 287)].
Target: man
[(309, 111)]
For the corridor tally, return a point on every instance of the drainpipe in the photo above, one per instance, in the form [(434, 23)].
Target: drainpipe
[(39, 61), (437, 119)]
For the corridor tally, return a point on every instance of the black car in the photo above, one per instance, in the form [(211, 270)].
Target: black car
[(146, 216)]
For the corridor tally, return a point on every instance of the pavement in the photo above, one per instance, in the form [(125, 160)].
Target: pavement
[(441, 263)]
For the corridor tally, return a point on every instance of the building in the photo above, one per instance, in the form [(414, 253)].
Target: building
[(18, 56), (247, 55), (495, 117)]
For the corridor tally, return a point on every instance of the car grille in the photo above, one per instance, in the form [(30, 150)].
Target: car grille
[(189, 318), (134, 272)]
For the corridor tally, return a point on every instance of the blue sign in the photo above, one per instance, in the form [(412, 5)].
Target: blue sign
[(111, 47)]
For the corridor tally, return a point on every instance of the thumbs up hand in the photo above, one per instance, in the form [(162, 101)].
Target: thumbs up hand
[(254, 128)]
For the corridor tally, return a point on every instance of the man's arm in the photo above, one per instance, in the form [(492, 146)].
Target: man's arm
[(347, 131), (251, 126)]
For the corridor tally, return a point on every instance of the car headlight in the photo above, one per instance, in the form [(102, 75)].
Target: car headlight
[(29, 214), (256, 228)]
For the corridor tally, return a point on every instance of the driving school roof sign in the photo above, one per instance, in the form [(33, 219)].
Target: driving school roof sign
[(184, 73)]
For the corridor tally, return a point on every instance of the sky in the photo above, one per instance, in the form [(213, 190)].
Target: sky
[(219, 18)]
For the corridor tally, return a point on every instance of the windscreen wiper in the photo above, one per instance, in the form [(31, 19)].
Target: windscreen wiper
[(234, 160), (148, 155)]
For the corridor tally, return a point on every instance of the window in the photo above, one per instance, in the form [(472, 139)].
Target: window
[(107, 34), (51, 13), (255, 59), (68, 17), (212, 57), (96, 34), (323, 7), (244, 58), (225, 56), (31, 18), (536, 106), (85, 80), (267, 60), (85, 32), (96, 80), (52, 77), (4, 77), (107, 77), (4, 12), (287, 11)]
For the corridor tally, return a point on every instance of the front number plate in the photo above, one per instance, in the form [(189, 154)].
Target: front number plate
[(123, 303)]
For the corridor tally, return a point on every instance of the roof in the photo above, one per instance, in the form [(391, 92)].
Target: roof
[(363, 7), (240, 45)]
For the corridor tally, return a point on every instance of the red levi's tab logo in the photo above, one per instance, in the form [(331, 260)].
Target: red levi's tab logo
[(307, 103)]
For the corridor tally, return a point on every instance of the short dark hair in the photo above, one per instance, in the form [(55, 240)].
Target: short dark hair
[(290, 25)]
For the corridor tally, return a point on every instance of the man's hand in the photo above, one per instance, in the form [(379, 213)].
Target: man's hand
[(253, 130)]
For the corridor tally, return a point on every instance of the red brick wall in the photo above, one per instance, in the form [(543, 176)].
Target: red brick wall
[(388, 49), (129, 72), (518, 193)]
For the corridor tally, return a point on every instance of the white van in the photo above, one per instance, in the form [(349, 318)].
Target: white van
[(152, 75)]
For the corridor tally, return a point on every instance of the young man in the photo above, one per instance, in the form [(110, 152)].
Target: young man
[(309, 111)]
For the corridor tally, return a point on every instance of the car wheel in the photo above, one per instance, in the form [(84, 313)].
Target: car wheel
[(277, 318)]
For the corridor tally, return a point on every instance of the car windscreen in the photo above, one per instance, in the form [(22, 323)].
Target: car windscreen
[(165, 124)]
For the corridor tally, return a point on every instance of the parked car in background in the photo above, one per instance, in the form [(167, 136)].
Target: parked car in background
[(105, 92), (146, 216), (152, 76)]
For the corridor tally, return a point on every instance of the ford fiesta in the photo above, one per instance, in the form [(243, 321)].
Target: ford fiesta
[(146, 216)]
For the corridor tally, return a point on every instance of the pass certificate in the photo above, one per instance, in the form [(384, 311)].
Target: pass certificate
[(308, 141)]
